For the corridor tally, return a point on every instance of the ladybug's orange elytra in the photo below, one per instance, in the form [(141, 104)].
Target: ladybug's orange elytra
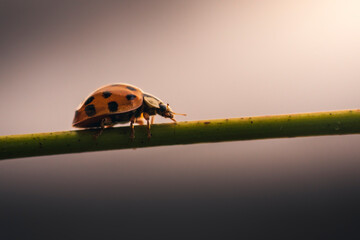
[(119, 103)]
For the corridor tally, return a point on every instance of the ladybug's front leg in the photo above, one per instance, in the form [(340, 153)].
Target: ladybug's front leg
[(147, 118)]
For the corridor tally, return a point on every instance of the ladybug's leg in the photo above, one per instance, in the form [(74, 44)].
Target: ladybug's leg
[(132, 133), (104, 121), (147, 118)]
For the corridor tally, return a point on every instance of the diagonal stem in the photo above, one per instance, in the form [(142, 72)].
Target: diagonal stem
[(205, 131)]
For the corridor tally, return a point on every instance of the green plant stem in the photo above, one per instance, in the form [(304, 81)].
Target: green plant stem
[(217, 130)]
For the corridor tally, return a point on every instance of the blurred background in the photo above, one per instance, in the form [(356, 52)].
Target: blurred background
[(209, 59)]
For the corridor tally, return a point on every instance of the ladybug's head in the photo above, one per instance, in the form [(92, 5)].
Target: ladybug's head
[(165, 111)]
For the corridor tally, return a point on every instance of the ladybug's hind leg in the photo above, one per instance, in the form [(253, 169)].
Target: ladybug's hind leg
[(132, 133), (104, 122)]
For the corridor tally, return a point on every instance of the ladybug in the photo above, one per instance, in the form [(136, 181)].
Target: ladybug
[(120, 103)]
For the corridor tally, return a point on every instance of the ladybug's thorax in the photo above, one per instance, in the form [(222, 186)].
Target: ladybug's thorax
[(150, 110), (155, 106)]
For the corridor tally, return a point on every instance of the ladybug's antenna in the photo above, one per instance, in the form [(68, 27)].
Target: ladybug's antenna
[(168, 109), (182, 114)]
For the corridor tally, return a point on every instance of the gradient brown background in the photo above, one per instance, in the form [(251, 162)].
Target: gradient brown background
[(209, 59)]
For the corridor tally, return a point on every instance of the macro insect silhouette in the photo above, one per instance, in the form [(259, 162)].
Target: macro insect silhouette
[(120, 103)]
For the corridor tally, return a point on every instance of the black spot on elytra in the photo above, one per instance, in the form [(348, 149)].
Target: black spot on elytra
[(130, 97), (113, 106), (106, 94), (131, 88), (90, 110), (89, 100)]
